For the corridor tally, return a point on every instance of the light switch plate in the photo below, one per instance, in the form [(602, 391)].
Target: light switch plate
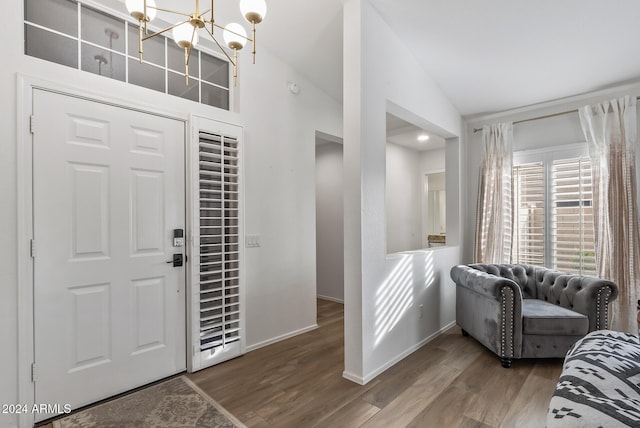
[(252, 241)]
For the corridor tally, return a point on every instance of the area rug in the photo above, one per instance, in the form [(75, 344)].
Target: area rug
[(177, 402)]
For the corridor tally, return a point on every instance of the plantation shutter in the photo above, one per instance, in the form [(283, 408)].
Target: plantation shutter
[(572, 229), (529, 218), (217, 244)]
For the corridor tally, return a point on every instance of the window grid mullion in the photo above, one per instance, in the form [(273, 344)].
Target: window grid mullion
[(218, 100), (581, 216), (548, 212), (79, 36)]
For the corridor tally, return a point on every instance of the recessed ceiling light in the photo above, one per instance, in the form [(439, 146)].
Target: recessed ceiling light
[(423, 137)]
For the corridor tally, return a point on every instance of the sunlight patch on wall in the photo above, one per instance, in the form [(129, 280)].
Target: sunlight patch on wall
[(393, 298), (429, 270)]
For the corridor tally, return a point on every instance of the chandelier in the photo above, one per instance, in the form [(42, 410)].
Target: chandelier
[(185, 32)]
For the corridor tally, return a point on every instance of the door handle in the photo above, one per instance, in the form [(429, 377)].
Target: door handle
[(177, 260)]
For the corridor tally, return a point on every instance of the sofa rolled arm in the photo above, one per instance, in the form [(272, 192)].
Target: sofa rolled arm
[(506, 337), (591, 297)]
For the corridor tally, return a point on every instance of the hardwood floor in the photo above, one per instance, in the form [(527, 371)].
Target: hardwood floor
[(452, 381)]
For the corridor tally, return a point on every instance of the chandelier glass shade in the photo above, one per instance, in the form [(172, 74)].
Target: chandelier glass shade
[(234, 36), (184, 35), (185, 32)]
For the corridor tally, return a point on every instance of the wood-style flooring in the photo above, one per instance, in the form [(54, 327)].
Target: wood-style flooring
[(453, 381)]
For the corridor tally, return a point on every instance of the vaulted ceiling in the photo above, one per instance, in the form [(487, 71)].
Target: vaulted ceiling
[(493, 55), (486, 55)]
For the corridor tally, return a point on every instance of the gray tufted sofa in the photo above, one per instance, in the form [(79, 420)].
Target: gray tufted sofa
[(522, 311)]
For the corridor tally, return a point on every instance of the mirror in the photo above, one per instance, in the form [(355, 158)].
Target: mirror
[(435, 209), (415, 187)]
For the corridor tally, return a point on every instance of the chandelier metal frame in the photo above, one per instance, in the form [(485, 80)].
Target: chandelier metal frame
[(233, 33)]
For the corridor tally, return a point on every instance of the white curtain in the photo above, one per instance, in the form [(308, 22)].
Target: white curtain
[(610, 129), (494, 216)]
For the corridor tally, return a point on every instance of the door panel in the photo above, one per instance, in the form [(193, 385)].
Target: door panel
[(89, 188), (147, 190), (91, 324), (148, 314), (108, 192)]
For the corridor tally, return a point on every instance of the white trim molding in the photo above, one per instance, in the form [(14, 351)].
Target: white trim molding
[(281, 338), (24, 155), (24, 206), (401, 356), (330, 299)]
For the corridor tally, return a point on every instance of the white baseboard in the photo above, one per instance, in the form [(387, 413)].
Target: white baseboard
[(329, 298), (370, 376), (353, 378), (281, 337)]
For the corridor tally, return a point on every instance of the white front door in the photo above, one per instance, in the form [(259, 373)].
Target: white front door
[(109, 311)]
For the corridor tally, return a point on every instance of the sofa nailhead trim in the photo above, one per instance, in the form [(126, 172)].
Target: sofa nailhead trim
[(503, 293), (603, 323), (598, 303), (606, 308), (511, 323), (504, 323), (607, 295)]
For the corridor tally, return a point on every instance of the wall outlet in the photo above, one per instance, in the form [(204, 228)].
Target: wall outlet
[(252, 241), (421, 309)]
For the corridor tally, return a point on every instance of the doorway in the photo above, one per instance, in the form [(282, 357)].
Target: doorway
[(109, 300), (329, 219)]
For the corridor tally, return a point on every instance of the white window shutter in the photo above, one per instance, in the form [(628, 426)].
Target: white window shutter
[(553, 210), (529, 218), (572, 229), (218, 330)]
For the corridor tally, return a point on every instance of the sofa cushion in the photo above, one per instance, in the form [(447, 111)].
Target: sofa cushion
[(540, 317)]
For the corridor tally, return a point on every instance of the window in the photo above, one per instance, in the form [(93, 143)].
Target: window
[(70, 33), (573, 234), (218, 249), (529, 215), (553, 215)]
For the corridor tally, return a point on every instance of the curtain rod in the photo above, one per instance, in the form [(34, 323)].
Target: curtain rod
[(546, 116)]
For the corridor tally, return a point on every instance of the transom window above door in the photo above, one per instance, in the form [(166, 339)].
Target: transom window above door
[(71, 33)]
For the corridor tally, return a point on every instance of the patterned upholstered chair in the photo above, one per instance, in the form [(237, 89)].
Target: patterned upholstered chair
[(598, 386), (522, 311)]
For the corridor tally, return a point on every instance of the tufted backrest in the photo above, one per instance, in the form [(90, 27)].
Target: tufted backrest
[(523, 275), (552, 286), (584, 294), (570, 291), (559, 288)]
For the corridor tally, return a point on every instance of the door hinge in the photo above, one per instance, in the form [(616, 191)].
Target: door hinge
[(32, 124), (32, 248), (33, 372)]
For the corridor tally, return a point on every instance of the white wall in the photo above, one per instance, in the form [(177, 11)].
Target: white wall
[(403, 198), (280, 132), (383, 295), (329, 222), (279, 164), (530, 135), (432, 160)]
